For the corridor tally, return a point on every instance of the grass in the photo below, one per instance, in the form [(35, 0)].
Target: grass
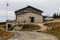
[(53, 24), (3, 25), (55, 31), (4, 35)]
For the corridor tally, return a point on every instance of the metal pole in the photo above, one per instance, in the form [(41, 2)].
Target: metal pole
[(7, 16)]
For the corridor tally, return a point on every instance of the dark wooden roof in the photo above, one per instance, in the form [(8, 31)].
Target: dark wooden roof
[(28, 7)]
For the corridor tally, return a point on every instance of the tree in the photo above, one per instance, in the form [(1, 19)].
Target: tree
[(56, 15), (59, 15)]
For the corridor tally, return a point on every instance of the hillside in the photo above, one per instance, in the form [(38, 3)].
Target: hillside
[(3, 24), (4, 35), (55, 29), (53, 24)]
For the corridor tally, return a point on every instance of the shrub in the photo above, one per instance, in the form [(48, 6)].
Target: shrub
[(30, 27)]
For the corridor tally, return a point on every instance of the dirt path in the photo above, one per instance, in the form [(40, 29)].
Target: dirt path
[(32, 36)]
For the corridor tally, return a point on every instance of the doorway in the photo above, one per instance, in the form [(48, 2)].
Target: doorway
[(9, 26), (32, 19)]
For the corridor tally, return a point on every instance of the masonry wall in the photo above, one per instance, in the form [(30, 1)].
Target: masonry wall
[(26, 17)]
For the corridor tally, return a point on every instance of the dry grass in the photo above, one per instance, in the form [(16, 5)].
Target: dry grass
[(55, 29), (55, 32), (53, 24), (4, 35), (3, 25)]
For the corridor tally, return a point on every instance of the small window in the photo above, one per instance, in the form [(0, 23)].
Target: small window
[(33, 10), (26, 10)]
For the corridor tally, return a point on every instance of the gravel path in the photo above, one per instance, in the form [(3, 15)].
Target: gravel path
[(32, 36)]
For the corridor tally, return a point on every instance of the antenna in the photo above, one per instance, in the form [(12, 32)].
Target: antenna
[(7, 5)]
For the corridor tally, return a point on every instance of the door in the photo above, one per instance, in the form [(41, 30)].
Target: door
[(32, 19), (9, 26)]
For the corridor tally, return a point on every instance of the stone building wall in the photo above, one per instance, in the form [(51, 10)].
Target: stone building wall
[(26, 17)]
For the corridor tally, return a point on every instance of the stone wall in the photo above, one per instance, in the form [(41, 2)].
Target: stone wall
[(26, 17)]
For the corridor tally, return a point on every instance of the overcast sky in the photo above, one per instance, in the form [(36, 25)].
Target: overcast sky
[(48, 6)]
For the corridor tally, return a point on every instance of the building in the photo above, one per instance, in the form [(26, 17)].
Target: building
[(27, 15)]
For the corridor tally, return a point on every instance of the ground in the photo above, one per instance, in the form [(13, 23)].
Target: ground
[(24, 35)]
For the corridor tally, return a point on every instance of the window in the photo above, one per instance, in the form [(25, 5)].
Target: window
[(30, 11), (33, 11), (26, 10)]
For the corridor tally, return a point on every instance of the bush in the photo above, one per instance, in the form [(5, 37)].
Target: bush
[(30, 27)]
